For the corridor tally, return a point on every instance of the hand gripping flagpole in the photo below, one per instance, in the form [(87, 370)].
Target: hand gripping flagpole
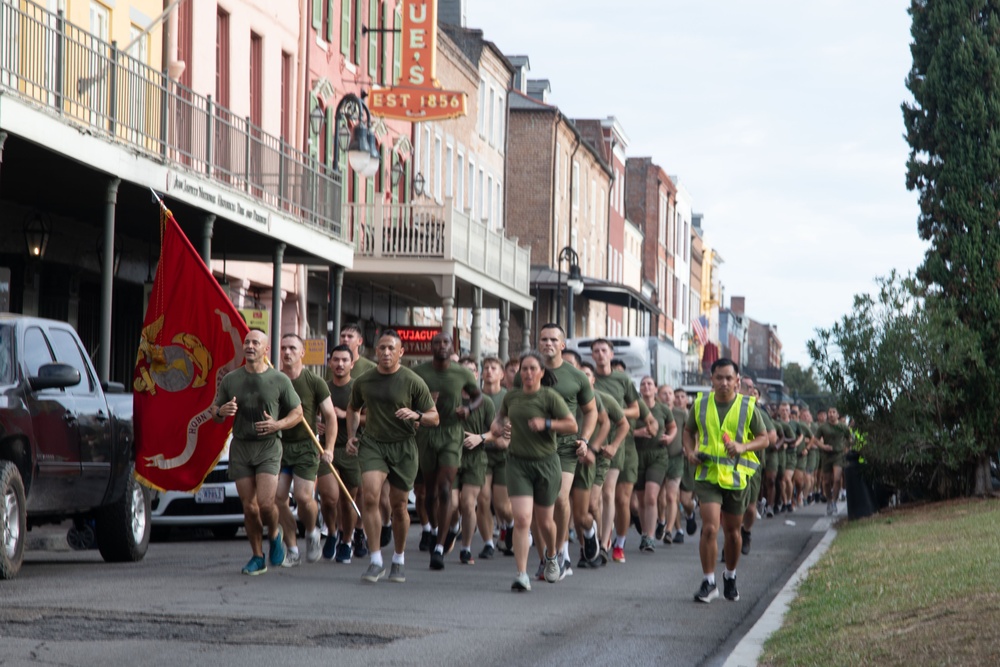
[(343, 487)]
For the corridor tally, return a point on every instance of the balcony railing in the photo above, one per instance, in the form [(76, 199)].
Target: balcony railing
[(422, 231), (59, 66)]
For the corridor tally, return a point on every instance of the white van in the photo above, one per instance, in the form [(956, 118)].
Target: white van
[(642, 356)]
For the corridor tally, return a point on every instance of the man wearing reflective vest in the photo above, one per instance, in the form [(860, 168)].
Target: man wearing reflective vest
[(721, 434)]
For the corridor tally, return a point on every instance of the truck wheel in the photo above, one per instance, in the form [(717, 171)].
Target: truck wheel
[(123, 528), (13, 520)]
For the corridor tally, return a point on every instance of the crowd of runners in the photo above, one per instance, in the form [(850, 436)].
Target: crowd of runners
[(533, 454)]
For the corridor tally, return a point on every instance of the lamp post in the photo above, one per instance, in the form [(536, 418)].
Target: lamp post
[(574, 283)]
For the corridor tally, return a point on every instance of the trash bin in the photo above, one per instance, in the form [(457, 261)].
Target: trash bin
[(860, 496)]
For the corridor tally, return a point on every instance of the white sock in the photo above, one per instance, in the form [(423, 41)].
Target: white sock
[(590, 532), (620, 541), (439, 549), (376, 558), (710, 578), (293, 550), (397, 559), (489, 543), (565, 550), (730, 574), (426, 528), (315, 534)]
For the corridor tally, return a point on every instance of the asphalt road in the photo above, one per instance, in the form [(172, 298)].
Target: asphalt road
[(186, 604)]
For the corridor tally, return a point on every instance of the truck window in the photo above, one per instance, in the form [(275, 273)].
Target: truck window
[(6, 358), (36, 351), (68, 352)]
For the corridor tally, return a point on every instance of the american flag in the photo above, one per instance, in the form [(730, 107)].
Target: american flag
[(700, 327)]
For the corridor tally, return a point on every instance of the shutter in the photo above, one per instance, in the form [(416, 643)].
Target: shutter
[(331, 134), (386, 61), (345, 28), (397, 50), (330, 13), (373, 38), (318, 14)]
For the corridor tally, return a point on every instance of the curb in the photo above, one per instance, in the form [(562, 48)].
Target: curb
[(749, 648)]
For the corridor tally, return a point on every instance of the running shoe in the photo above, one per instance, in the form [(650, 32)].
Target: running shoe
[(277, 552), (565, 569), (729, 589), (313, 549), (661, 528), (692, 525), (292, 559), (603, 556), (437, 560), (646, 544), (397, 573), (540, 572), (255, 566), (373, 573), (508, 541), (487, 552), (551, 570), (707, 592), (618, 555), (591, 549), (466, 557), (343, 553), (330, 547), (449, 541), (426, 540), (679, 537), (637, 523), (745, 534), (521, 583), (385, 536), (360, 544), (769, 513)]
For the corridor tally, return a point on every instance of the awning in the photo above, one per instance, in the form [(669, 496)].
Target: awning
[(595, 289)]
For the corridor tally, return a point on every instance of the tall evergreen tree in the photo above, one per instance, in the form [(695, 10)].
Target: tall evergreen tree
[(953, 129)]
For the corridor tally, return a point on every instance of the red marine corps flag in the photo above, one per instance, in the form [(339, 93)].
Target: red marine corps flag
[(192, 336)]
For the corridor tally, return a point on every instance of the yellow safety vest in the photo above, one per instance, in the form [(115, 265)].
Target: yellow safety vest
[(717, 466)]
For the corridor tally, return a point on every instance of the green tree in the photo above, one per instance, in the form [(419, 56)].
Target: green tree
[(954, 164), (801, 384), (901, 364)]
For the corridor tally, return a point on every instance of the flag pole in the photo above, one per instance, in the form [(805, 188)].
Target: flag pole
[(343, 487)]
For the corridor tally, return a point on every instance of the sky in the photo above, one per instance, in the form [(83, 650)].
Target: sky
[(781, 118)]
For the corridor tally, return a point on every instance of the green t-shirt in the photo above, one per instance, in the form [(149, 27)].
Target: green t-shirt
[(383, 395), (615, 413), (446, 387), (312, 391), (622, 389), (496, 398), (834, 435), (573, 386), (256, 393), (480, 420), (340, 397), (519, 407), (361, 366), (676, 446), (663, 417)]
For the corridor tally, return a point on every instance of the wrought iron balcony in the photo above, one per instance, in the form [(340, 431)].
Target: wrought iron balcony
[(421, 231), (64, 69)]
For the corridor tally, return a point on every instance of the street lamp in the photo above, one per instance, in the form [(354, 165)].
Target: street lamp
[(360, 143), (574, 283), (36, 235), (418, 184)]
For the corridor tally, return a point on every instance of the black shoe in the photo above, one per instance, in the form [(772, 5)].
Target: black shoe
[(661, 528), (591, 549), (582, 564), (466, 557), (449, 541), (729, 589), (330, 547), (692, 525), (745, 534), (637, 523), (707, 592), (487, 552), (437, 560), (426, 540), (386, 536), (360, 544), (679, 537), (508, 542)]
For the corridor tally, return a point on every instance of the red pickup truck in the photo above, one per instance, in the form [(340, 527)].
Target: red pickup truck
[(66, 445)]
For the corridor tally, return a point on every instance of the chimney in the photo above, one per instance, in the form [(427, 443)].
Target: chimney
[(737, 304), (451, 12)]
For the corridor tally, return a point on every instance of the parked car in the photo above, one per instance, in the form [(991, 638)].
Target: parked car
[(66, 445), (216, 505)]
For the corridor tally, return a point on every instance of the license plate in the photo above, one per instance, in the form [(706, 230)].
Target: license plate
[(211, 494)]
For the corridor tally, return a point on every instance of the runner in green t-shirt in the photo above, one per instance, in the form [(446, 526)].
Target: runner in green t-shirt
[(833, 439), (666, 504), (338, 513), (654, 460), (494, 492), (397, 400), (263, 403), (440, 447), (300, 456), (532, 416)]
